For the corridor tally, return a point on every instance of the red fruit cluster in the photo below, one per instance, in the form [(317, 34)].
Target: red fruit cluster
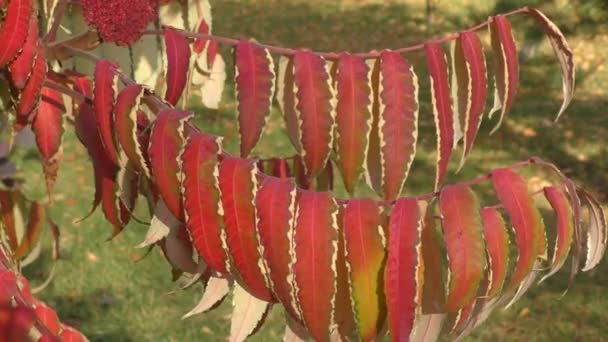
[(119, 21)]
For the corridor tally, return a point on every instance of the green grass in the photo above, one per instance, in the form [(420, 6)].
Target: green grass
[(101, 289)]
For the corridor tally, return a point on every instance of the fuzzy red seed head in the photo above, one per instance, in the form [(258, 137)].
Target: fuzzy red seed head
[(119, 21)]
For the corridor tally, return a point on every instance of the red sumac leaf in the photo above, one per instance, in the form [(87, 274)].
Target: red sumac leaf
[(525, 218), (14, 29), (85, 126), (21, 67), (166, 143), (275, 207), (30, 96), (178, 62), (462, 232), (596, 231), (315, 108), (48, 128), (105, 92), (563, 52), (254, 79), (435, 272), (280, 168), (403, 274), (345, 321), (442, 108), (238, 187), (113, 208), (497, 247), (364, 242), (287, 101), (471, 87), (565, 226), (200, 44), (48, 317), (506, 66), (69, 334), (373, 164), (314, 268), (125, 121), (202, 207), (398, 121), (353, 117)]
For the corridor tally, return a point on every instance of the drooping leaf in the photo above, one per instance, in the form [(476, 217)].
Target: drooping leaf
[(125, 121), (403, 274), (202, 207), (314, 269), (353, 118), (597, 231), (469, 66), (275, 208), (238, 187), (178, 250), (216, 290), (564, 227), (105, 92), (315, 108), (428, 327), (497, 248), (398, 121), (435, 271), (161, 224), (525, 218), (178, 62), (7, 202), (248, 311), (373, 164), (364, 242), (345, 321), (14, 29), (86, 129), (30, 96), (442, 108), (563, 52), (200, 44), (166, 142), (21, 67), (48, 128), (33, 229), (286, 100), (113, 208), (506, 66), (462, 232), (280, 168), (254, 79)]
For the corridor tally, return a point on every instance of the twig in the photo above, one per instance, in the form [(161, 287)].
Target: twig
[(330, 55), (58, 13)]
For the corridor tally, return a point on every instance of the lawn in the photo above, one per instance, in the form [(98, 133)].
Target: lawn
[(104, 289)]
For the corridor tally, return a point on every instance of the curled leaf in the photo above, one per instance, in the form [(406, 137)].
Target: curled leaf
[(497, 247), (125, 120), (105, 93), (21, 67)]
